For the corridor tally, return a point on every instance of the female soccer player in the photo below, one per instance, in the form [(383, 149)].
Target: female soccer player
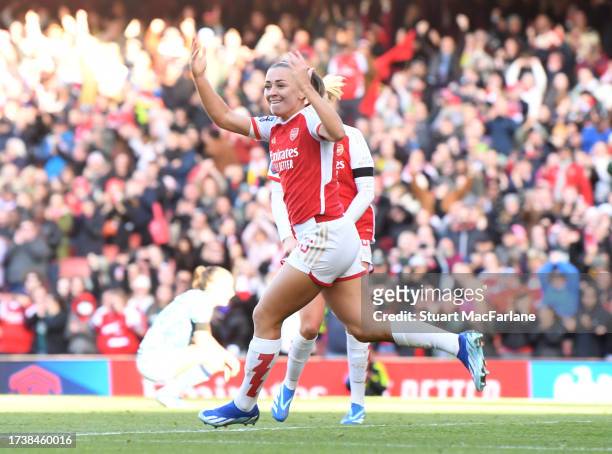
[(355, 170), (327, 258), (166, 355)]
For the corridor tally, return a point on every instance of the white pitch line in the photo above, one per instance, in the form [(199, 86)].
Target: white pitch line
[(183, 431), (140, 432), (255, 429), (282, 428)]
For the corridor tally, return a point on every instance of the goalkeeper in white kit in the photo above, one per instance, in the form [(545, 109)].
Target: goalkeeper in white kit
[(179, 351)]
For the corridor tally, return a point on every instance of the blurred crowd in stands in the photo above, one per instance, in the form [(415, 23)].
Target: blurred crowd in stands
[(491, 139)]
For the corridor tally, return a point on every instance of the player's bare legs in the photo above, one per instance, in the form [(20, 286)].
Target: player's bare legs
[(302, 346), (311, 318), (289, 291), (344, 298), (465, 346)]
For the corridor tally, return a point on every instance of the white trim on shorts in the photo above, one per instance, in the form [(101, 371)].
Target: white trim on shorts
[(366, 251)]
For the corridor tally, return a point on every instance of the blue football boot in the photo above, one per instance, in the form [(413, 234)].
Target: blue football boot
[(355, 415), (282, 402), (229, 414), (472, 357)]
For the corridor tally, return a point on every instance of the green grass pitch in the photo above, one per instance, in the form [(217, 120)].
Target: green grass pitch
[(138, 425)]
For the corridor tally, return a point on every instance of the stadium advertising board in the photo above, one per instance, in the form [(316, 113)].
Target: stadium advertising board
[(80, 377), (448, 378), (578, 381), (124, 378)]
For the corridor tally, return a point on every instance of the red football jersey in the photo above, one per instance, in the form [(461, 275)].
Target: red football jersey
[(115, 332), (353, 66), (15, 337), (353, 152), (303, 162)]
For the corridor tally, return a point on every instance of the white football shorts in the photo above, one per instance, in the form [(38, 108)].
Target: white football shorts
[(327, 251)]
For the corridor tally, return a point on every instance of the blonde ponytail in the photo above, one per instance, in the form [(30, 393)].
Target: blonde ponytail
[(204, 275), (333, 86), (199, 277)]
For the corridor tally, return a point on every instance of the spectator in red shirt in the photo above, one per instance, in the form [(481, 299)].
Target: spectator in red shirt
[(15, 337), (562, 172), (353, 66), (119, 328)]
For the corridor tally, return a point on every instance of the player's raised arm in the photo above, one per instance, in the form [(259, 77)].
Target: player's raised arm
[(216, 108), (331, 124)]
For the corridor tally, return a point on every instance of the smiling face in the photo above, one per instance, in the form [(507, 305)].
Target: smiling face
[(282, 93)]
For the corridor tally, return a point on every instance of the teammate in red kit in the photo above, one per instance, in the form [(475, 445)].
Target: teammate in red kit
[(355, 173), (327, 258)]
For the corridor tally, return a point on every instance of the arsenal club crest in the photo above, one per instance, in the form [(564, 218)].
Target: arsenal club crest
[(294, 133), (339, 149)]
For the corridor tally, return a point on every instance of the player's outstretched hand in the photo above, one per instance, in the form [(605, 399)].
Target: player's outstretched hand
[(232, 366), (300, 69), (220, 360), (197, 62)]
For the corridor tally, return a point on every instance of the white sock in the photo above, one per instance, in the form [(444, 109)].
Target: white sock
[(183, 381), (299, 353), (357, 353), (258, 362), (418, 334)]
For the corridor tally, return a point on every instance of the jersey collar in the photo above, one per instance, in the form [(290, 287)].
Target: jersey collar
[(283, 122)]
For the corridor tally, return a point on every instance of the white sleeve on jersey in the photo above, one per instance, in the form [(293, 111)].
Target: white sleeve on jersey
[(358, 148), (279, 211), (313, 122), (363, 198), (362, 165), (261, 127)]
